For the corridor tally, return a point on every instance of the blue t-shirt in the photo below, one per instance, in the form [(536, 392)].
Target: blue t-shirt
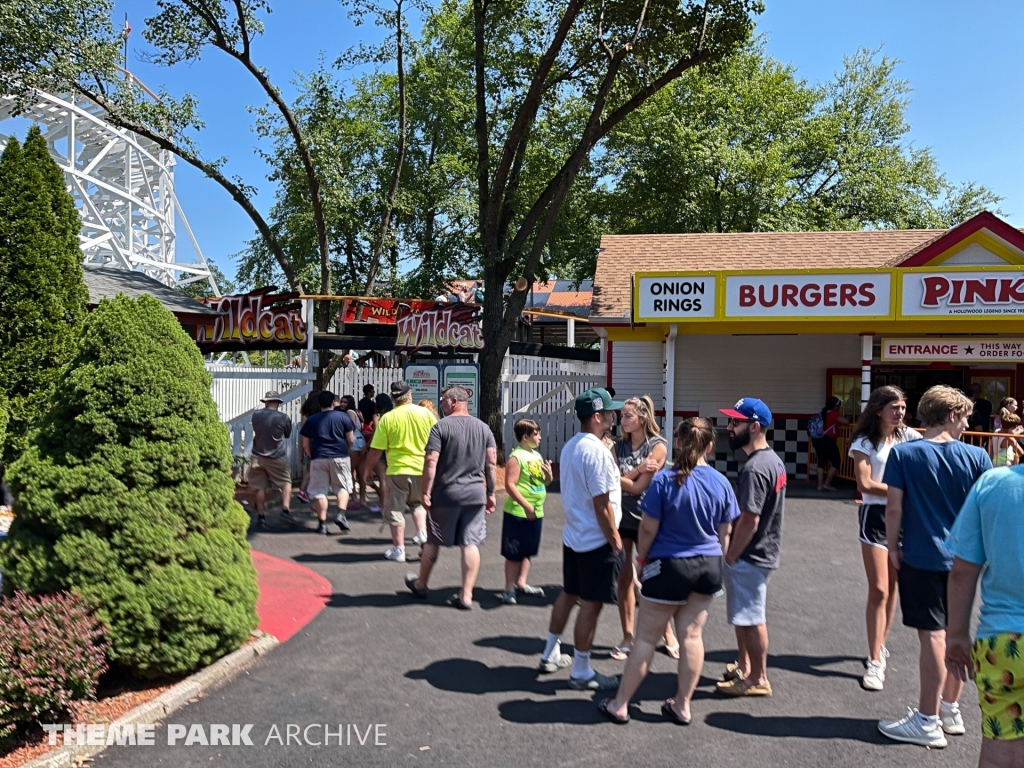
[(326, 432), (689, 513), (935, 479), (990, 531)]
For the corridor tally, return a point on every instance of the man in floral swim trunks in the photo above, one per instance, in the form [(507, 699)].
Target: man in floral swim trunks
[(989, 531)]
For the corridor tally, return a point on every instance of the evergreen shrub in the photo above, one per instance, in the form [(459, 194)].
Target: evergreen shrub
[(124, 495), (42, 296)]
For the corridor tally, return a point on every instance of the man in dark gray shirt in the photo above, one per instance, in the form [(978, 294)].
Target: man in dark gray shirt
[(458, 492), (270, 432), (754, 549)]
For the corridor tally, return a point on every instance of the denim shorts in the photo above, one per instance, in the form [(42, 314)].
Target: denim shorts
[(746, 593)]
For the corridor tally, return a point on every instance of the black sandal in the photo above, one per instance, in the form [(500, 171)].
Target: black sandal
[(670, 713), (602, 707), (456, 602), (410, 582)]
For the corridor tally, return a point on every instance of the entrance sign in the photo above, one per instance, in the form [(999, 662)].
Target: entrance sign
[(453, 326), (962, 293), (465, 375), (259, 318), (675, 296), (424, 379), (933, 349), (835, 295)]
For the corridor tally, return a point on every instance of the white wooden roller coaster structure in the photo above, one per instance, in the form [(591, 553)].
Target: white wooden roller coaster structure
[(123, 185)]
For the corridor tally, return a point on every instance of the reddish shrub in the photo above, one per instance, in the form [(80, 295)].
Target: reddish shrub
[(52, 652)]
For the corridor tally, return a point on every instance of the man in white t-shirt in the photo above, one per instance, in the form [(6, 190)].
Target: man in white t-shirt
[(591, 546)]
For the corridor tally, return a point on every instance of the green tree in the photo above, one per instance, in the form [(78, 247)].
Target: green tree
[(200, 289), (125, 496), (577, 69), (42, 296), (748, 147)]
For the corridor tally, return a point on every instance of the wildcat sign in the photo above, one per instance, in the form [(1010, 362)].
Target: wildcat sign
[(445, 326), (260, 319)]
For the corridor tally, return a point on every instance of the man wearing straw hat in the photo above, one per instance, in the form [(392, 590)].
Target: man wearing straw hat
[(270, 432)]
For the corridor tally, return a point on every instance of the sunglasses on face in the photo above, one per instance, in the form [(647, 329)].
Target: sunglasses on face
[(737, 422)]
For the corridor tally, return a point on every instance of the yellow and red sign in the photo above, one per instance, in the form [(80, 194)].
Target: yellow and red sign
[(259, 319), (452, 326)]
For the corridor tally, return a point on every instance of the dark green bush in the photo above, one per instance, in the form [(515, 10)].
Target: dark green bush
[(52, 652), (42, 296), (125, 495)]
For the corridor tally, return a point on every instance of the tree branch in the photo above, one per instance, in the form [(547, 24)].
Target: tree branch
[(528, 109), (396, 172), (236, 192), (242, 29), (482, 153)]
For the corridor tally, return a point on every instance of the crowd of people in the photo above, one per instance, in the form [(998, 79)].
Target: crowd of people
[(639, 513)]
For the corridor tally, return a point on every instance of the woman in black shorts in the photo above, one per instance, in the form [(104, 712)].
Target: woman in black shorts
[(879, 429), (687, 519), (826, 447), (640, 453)]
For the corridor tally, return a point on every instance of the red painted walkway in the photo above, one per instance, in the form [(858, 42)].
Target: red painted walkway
[(291, 595)]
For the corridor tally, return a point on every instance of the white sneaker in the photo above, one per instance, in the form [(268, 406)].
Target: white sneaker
[(910, 731), (420, 539), (395, 555), (952, 721), (874, 678)]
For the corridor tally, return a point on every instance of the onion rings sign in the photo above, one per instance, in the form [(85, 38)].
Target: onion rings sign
[(451, 326), (260, 319)]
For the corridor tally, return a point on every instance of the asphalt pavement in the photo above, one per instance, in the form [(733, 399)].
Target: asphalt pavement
[(441, 686)]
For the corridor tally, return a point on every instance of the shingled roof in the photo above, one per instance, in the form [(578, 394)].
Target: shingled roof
[(623, 255), (107, 282)]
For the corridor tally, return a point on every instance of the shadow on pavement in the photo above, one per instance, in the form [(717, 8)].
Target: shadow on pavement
[(340, 557), (387, 600), (474, 677), (814, 727), (524, 646), (805, 665)]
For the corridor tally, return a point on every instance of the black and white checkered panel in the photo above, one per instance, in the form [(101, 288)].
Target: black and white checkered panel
[(787, 437)]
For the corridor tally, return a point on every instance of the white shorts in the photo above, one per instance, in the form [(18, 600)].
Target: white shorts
[(329, 476)]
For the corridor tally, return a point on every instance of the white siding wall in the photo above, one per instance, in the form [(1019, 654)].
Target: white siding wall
[(787, 372), (637, 370)]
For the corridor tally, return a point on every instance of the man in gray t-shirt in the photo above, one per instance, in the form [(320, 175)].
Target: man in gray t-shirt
[(458, 491), (754, 549), (270, 466)]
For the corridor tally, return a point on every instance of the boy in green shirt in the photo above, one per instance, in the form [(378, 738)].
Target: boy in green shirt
[(527, 475)]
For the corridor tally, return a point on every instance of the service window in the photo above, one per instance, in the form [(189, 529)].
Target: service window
[(993, 388), (847, 388)]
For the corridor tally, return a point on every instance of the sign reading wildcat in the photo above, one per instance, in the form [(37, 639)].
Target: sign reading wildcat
[(259, 319), (453, 326)]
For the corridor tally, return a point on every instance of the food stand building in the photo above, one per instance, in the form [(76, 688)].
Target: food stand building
[(698, 321)]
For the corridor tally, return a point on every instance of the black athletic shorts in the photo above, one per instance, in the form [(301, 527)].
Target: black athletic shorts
[(872, 525), (923, 598), (827, 450), (592, 575), (628, 533), (520, 537), (674, 579)]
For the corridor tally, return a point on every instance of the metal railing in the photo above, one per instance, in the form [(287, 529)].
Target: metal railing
[(994, 444)]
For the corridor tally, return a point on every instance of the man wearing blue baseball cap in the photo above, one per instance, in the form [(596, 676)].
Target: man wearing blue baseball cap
[(754, 548), (591, 546)]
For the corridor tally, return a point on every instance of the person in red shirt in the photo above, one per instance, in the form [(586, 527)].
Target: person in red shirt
[(826, 447)]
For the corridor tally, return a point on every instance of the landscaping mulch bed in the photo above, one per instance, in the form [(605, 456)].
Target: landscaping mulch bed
[(118, 693)]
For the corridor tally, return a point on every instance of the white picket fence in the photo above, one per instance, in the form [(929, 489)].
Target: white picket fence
[(544, 390), (237, 389), (537, 388)]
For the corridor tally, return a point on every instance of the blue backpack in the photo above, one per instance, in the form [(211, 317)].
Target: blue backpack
[(816, 426)]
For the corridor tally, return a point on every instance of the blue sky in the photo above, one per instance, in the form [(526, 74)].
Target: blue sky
[(962, 59)]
